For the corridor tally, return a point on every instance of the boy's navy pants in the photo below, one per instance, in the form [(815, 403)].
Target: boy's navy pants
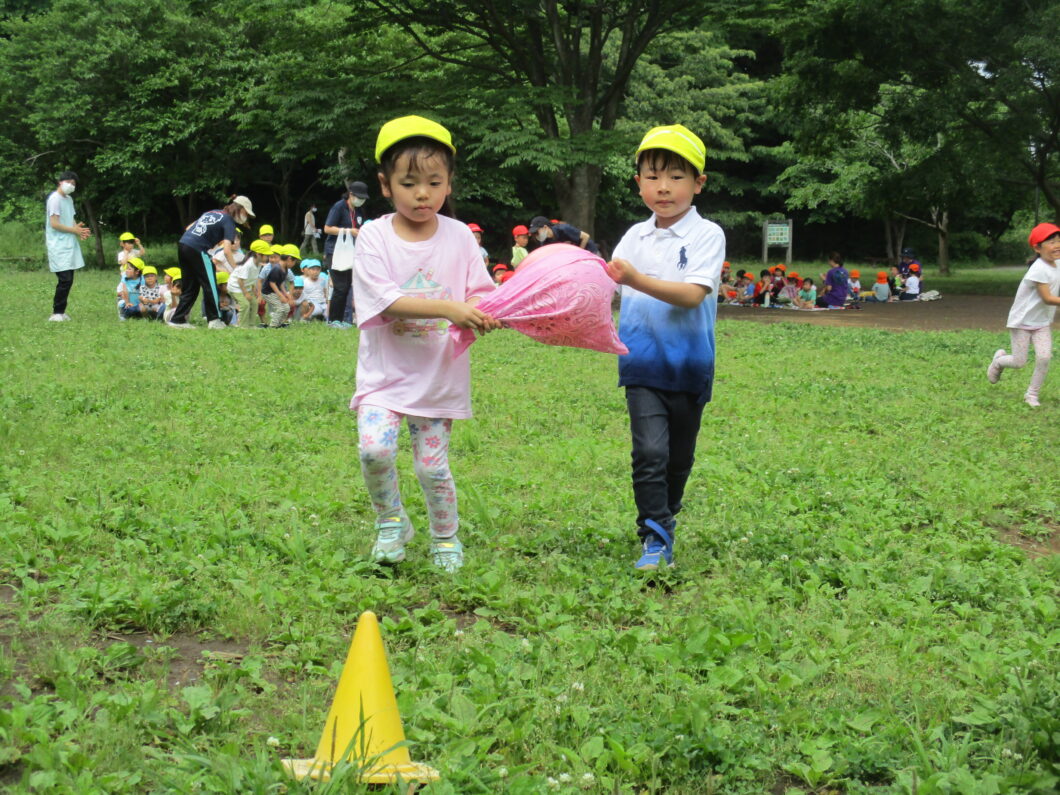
[(664, 426)]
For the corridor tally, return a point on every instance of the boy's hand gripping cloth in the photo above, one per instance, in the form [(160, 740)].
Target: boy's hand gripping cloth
[(560, 295)]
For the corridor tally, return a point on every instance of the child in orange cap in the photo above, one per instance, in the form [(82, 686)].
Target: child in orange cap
[(1032, 313), (521, 238), (911, 291), (881, 291)]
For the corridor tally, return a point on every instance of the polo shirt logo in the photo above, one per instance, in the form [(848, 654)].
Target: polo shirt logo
[(682, 258)]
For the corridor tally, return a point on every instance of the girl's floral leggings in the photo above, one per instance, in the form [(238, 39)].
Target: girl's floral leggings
[(1042, 339), (378, 445)]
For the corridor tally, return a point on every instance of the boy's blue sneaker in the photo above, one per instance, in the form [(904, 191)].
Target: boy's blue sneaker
[(658, 549), (393, 533)]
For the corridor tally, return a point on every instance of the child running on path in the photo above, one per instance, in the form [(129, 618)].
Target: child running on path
[(1032, 313), (414, 273), (669, 267)]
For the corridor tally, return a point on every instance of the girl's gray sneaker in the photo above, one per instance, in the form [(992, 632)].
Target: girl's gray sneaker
[(447, 554), (392, 534)]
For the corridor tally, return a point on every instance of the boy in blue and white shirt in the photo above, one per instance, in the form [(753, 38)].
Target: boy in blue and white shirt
[(669, 267)]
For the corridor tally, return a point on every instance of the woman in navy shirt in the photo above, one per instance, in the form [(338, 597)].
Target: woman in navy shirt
[(213, 228)]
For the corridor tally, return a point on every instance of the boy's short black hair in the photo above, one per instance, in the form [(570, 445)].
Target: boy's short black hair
[(664, 160), (67, 175), (765, 272)]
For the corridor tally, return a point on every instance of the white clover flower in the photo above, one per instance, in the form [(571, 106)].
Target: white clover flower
[(552, 783), (272, 742), (783, 557), (743, 539), (579, 686), (588, 778), (459, 633), (561, 698), (564, 778), (679, 737), (525, 644), (502, 772)]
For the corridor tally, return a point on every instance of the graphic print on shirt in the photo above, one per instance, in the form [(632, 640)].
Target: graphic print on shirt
[(207, 219), (682, 258), (422, 286)]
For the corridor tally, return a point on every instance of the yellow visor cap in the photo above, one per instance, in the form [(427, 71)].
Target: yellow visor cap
[(410, 127), (290, 250), (172, 273), (678, 139), (136, 262), (149, 269), (266, 229), (222, 277), (260, 247)]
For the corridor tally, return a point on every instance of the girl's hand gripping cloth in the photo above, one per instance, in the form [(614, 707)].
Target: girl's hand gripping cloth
[(560, 295)]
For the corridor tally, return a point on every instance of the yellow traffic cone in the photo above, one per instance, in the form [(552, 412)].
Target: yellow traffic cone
[(363, 725)]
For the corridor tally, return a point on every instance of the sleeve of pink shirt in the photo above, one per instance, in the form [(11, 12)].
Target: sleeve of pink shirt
[(374, 288)]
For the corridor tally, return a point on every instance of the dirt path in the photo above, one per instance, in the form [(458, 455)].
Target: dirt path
[(986, 312)]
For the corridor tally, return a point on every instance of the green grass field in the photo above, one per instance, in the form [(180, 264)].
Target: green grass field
[(183, 557)]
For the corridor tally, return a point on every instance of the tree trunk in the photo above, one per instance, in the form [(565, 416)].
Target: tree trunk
[(576, 194), (942, 226), (101, 260), (889, 237)]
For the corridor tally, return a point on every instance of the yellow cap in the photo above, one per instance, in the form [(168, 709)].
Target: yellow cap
[(222, 277), (409, 127), (265, 229), (149, 269), (126, 236), (290, 250), (172, 273), (260, 247), (678, 139), (136, 262)]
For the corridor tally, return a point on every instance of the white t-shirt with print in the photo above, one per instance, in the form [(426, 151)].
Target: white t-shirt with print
[(1029, 311)]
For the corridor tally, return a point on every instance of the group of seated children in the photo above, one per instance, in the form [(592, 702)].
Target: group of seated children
[(264, 284), (776, 287)]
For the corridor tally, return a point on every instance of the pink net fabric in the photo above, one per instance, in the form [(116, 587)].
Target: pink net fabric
[(559, 295)]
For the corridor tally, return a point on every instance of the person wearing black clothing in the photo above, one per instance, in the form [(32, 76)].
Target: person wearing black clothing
[(345, 214), (546, 231), (213, 228)]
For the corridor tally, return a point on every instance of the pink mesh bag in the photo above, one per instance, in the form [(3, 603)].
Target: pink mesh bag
[(559, 295)]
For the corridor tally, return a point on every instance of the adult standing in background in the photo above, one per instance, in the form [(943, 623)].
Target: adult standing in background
[(346, 215), (63, 238), (547, 231), (310, 230), (213, 228)]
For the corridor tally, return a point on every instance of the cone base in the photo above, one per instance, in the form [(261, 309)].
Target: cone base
[(320, 769)]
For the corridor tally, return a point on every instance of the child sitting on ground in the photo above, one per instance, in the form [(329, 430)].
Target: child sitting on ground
[(764, 288), (277, 299), (788, 293), (172, 299), (314, 299), (129, 289), (911, 290), (225, 304), (881, 291), (151, 300), (242, 284), (807, 295)]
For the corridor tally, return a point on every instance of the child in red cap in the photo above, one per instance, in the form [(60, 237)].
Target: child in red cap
[(1032, 313), (521, 238)]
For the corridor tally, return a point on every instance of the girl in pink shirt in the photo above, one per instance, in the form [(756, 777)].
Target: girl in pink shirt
[(415, 272)]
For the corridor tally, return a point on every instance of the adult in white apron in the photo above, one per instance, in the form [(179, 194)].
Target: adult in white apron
[(63, 236)]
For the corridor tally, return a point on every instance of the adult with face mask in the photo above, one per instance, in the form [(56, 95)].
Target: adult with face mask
[(344, 215), (213, 228), (546, 231), (63, 238)]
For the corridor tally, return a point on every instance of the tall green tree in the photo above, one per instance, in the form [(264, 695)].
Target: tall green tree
[(986, 67), (570, 63)]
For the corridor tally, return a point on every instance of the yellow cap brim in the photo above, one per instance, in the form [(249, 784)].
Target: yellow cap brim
[(410, 127), (678, 139)]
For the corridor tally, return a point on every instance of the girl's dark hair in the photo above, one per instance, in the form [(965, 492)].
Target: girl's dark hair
[(664, 160), (807, 280), (836, 257), (419, 147), (765, 272)]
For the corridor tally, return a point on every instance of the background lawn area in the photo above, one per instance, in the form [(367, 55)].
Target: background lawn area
[(847, 614)]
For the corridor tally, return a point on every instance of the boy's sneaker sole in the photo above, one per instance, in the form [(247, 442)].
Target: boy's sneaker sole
[(447, 554), (393, 533)]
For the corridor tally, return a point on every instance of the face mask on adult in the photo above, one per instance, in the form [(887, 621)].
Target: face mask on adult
[(358, 201), (542, 234), (67, 187)]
